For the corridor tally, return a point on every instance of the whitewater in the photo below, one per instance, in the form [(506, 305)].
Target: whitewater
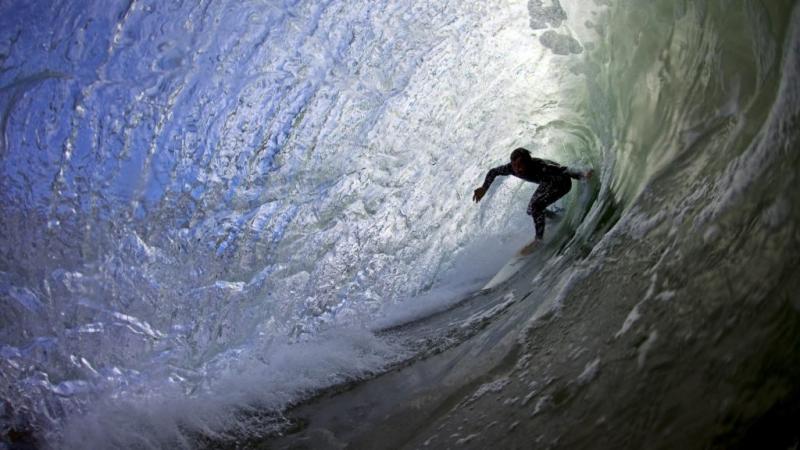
[(250, 224)]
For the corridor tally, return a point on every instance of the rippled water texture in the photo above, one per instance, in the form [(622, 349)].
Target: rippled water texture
[(206, 205), (183, 182)]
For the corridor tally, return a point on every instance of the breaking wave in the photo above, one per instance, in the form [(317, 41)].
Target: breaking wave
[(208, 206)]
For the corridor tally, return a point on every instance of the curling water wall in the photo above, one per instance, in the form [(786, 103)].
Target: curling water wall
[(189, 188), (205, 204)]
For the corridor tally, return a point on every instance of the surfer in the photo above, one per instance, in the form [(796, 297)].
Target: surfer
[(554, 182)]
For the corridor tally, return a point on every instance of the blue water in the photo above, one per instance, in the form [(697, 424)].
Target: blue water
[(207, 207)]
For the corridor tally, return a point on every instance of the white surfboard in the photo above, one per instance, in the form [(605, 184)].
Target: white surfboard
[(511, 267)]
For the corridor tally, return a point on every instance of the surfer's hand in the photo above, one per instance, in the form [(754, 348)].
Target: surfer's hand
[(479, 193), (588, 174)]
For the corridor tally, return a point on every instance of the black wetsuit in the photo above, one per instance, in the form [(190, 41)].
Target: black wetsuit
[(553, 179)]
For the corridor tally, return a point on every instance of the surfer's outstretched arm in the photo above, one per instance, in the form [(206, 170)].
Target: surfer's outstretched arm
[(505, 169)]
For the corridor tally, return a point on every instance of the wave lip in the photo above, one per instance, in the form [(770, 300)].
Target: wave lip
[(675, 324), (189, 191)]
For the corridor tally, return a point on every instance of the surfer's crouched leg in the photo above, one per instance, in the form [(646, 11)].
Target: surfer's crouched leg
[(547, 193)]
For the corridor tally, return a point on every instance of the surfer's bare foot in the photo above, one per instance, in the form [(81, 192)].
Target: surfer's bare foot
[(528, 249)]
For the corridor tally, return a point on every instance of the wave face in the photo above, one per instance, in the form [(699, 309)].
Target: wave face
[(207, 205)]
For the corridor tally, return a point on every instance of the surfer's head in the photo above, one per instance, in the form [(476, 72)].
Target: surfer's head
[(519, 157)]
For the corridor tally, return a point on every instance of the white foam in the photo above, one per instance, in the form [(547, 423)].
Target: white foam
[(632, 317), (646, 347), (262, 379), (470, 268), (589, 372)]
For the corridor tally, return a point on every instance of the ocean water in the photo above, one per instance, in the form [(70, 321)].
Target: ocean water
[(213, 210)]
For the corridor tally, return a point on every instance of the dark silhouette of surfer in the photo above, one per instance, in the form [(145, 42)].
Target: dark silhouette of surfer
[(554, 182)]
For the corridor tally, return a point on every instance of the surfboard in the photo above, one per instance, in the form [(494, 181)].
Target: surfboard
[(518, 260), (513, 265)]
